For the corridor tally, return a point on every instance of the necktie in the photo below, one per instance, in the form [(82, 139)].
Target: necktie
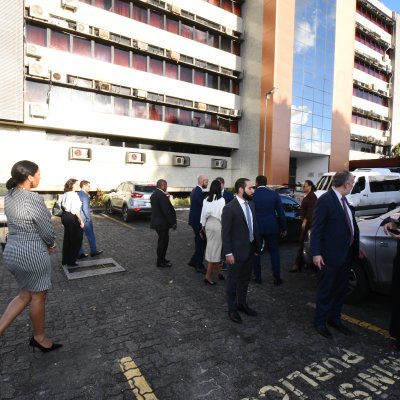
[(249, 222), (347, 219)]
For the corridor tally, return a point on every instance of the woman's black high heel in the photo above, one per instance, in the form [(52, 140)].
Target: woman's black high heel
[(33, 343)]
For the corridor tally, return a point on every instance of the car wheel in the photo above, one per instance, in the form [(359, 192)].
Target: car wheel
[(109, 208), (358, 284), (126, 215)]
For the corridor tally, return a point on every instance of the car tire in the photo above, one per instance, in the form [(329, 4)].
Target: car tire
[(109, 208), (126, 215), (358, 284)]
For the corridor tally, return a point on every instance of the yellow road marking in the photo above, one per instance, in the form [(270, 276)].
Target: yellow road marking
[(141, 389), (373, 328)]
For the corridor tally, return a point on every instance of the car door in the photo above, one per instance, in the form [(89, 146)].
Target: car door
[(291, 208), (118, 199)]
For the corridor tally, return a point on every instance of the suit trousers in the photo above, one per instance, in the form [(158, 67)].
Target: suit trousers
[(271, 242), (89, 232), (162, 244), (73, 235), (299, 257), (237, 281), (333, 284), (199, 248)]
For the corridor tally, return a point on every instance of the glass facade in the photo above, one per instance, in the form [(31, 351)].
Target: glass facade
[(313, 63)]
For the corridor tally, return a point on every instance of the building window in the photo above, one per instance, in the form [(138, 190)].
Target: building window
[(224, 84), (171, 70), (139, 109), (213, 39), (156, 19), (155, 112), (102, 103), (139, 14), (121, 57), (226, 5), (199, 78), (122, 8), (81, 46), (211, 121), (156, 66), (199, 120), (139, 62), (187, 31), (59, 41), (225, 44), (200, 35), (171, 115), (172, 26), (185, 74), (185, 117), (121, 106), (36, 35), (236, 48), (104, 4), (102, 52), (36, 92), (212, 81)]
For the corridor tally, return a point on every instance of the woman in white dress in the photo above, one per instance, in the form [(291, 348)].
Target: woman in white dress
[(211, 224), (73, 223)]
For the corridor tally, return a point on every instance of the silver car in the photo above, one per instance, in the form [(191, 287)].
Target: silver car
[(130, 199), (374, 272)]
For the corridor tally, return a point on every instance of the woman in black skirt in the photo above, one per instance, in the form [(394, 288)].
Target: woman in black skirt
[(73, 223), (392, 228)]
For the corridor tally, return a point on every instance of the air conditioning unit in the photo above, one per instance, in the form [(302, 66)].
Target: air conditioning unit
[(373, 86), (370, 138), (103, 86), (224, 111), (104, 34), (33, 51), (80, 153), (235, 113), (73, 80), (142, 45), (38, 11), (181, 161), (59, 22), (385, 58), (229, 31), (38, 69), (38, 110), (173, 55), (70, 4), (133, 157), (388, 68), (200, 106), (58, 77), (218, 163), (141, 94), (386, 134), (82, 28), (176, 10)]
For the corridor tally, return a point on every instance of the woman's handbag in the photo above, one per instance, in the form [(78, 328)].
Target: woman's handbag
[(57, 209)]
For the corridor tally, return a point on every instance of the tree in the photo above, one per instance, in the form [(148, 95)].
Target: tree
[(396, 150)]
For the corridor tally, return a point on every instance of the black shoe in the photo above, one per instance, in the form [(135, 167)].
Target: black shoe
[(340, 327), (258, 280), (323, 331), (167, 261), (33, 343), (209, 282), (221, 277), (235, 317), (246, 309), (191, 264), (96, 253), (164, 265), (83, 255), (278, 281)]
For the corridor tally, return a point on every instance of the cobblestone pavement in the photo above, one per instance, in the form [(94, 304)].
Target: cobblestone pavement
[(152, 333)]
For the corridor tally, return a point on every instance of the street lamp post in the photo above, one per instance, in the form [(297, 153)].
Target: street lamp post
[(267, 97)]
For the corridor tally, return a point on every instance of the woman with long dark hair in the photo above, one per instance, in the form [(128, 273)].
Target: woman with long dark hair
[(30, 240), (73, 223), (211, 224)]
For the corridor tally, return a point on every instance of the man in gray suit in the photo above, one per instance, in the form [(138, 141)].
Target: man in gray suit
[(240, 243)]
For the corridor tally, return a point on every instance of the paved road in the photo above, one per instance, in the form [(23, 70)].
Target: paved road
[(163, 334)]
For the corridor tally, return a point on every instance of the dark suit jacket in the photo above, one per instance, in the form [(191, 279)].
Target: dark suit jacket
[(228, 196), (330, 234), (85, 210), (235, 231), (269, 211), (196, 205), (163, 214), (307, 208)]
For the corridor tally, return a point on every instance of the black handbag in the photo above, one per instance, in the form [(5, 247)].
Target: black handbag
[(57, 209)]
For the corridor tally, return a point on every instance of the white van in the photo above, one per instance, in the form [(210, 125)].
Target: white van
[(375, 190)]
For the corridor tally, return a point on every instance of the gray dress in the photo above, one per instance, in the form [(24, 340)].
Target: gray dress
[(30, 233)]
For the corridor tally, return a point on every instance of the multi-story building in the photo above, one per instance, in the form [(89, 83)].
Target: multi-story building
[(110, 90)]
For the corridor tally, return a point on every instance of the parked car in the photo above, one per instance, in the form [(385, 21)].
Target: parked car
[(374, 272), (292, 213), (280, 189), (130, 199)]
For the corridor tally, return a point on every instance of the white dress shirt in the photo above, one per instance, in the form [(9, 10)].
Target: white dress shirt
[(212, 209), (71, 202), (349, 213)]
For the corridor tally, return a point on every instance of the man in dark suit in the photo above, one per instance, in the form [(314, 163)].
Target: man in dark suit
[(240, 244), (163, 217), (88, 221), (196, 205), (271, 224), (228, 196), (334, 243)]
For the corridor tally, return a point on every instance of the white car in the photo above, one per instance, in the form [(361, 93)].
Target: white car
[(130, 199)]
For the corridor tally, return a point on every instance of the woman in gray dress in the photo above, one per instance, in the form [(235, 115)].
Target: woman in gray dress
[(30, 240)]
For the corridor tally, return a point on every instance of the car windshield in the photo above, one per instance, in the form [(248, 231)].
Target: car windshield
[(145, 188)]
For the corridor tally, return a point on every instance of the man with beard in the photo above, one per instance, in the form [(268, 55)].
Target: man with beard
[(196, 205), (240, 243)]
